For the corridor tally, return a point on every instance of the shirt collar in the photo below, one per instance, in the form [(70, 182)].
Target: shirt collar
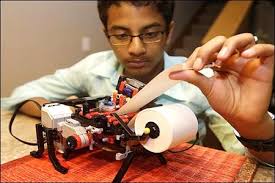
[(115, 76), (108, 67)]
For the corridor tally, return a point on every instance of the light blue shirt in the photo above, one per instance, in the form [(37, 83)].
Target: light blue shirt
[(97, 76)]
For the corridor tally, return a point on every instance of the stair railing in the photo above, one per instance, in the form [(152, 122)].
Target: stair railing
[(229, 20)]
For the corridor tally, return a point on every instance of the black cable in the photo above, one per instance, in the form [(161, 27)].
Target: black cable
[(16, 111), (181, 150)]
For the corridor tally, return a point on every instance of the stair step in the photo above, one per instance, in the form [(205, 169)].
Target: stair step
[(183, 52), (214, 8), (210, 12), (191, 41), (193, 36), (206, 19), (199, 30)]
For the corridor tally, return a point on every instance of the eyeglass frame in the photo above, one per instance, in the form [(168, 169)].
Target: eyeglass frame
[(139, 36)]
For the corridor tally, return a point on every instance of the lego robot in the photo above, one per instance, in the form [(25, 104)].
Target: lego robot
[(69, 125)]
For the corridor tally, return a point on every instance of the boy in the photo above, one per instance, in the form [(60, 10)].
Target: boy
[(137, 32)]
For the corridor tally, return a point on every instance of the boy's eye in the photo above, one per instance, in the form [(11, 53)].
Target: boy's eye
[(121, 36), (150, 34)]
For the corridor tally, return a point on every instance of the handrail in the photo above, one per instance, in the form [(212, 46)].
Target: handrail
[(229, 20)]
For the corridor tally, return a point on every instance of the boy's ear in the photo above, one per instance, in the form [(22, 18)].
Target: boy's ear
[(170, 34), (105, 31)]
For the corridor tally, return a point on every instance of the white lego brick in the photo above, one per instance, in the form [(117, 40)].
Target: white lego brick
[(54, 113), (60, 125), (67, 130), (79, 130), (72, 122)]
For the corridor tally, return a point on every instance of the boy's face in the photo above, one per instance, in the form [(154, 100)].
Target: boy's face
[(140, 60)]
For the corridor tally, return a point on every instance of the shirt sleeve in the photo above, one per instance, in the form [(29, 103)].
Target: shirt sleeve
[(224, 132), (61, 84)]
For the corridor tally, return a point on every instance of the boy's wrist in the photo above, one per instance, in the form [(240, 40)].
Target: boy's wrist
[(263, 130), (256, 145)]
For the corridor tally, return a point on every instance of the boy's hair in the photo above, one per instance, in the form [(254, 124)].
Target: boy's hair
[(164, 7)]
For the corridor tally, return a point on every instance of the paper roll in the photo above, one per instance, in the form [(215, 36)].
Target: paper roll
[(176, 123)]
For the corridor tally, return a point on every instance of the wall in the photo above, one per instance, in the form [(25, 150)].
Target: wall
[(39, 37)]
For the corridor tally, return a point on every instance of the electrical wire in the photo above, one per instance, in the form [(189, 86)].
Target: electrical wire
[(16, 111), (182, 150)]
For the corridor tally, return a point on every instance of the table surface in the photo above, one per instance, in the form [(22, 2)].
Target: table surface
[(24, 128)]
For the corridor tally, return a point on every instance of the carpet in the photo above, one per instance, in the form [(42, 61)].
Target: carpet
[(198, 164)]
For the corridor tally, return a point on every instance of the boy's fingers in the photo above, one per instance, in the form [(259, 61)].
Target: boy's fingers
[(238, 42), (190, 61), (259, 50), (195, 78), (207, 51)]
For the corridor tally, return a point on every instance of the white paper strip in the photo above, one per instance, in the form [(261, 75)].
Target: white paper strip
[(155, 88)]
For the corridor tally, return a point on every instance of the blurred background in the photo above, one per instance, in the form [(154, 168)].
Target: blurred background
[(38, 37)]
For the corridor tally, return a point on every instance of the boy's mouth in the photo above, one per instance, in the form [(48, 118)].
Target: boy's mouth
[(136, 64)]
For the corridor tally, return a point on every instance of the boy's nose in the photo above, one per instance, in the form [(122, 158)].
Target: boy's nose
[(136, 47)]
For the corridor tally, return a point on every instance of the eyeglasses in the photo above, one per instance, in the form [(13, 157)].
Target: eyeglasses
[(125, 39)]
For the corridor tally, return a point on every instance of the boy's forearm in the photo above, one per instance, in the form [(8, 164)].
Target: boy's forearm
[(31, 109), (267, 157), (261, 131)]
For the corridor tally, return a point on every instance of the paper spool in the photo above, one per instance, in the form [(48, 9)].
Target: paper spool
[(176, 122)]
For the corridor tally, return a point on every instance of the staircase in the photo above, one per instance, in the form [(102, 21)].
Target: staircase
[(192, 37)]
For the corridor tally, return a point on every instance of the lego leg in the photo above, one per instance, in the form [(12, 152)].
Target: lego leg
[(161, 158), (66, 154), (124, 167), (40, 142), (51, 151)]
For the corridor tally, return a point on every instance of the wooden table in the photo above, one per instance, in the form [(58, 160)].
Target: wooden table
[(24, 128)]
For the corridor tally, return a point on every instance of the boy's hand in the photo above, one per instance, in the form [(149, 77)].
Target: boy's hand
[(241, 89)]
